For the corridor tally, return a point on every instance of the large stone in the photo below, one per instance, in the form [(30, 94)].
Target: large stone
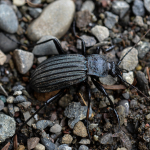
[(55, 20), (147, 5), (8, 19)]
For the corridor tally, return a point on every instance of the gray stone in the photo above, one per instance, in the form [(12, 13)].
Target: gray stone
[(139, 21), (125, 103), (126, 95), (143, 48), (41, 59), (120, 8), (129, 77), (56, 24), (42, 124), (25, 105), (131, 60), (56, 128), (92, 126), (7, 127), (11, 110), (19, 99), (35, 12), (24, 60), (1, 105), (88, 5), (147, 5), (133, 103), (89, 41), (18, 88), (83, 147), (48, 144), (106, 139), (121, 112), (47, 48), (2, 91), (108, 80), (10, 99), (136, 39), (16, 93), (8, 19), (138, 8), (100, 32), (72, 122), (7, 45), (26, 116), (110, 20), (85, 141), (64, 147)]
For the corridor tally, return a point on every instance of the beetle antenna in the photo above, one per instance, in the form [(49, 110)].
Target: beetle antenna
[(133, 47)]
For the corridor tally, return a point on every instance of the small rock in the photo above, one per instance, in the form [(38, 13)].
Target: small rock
[(111, 98), (121, 112), (88, 5), (85, 141), (2, 91), (19, 99), (35, 12), (122, 148), (148, 116), (80, 129), (56, 128), (2, 58), (21, 147), (129, 77), (143, 48), (110, 20), (89, 41), (126, 95), (83, 18), (100, 32), (83, 147), (47, 48), (1, 105), (16, 109), (108, 80), (133, 103), (18, 88), (11, 110), (95, 137), (131, 60), (146, 136), (125, 103), (64, 147), (106, 139), (7, 127), (57, 24), (92, 126), (138, 8), (120, 8), (26, 116), (147, 5), (10, 99), (7, 45), (48, 144), (42, 124), (3, 98), (41, 59), (32, 142), (67, 139), (39, 147), (24, 60), (65, 100), (72, 122), (8, 19), (139, 21), (19, 2), (17, 93)]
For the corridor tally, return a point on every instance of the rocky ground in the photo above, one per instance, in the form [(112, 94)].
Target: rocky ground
[(62, 124)]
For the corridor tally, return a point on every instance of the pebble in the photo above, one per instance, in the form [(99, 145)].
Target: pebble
[(2, 91), (19, 99), (92, 126), (57, 24), (80, 129), (106, 139), (85, 141), (2, 58), (143, 48), (7, 127), (16, 109), (120, 8), (8, 19), (65, 100), (133, 103), (19, 2), (83, 147), (41, 59), (47, 48), (42, 124), (67, 139), (138, 8), (21, 147), (26, 116), (32, 142), (131, 60), (25, 105), (39, 147), (121, 112), (126, 95), (100, 32), (72, 122), (18, 88), (17, 93), (56, 128), (88, 5), (89, 41), (136, 39), (7, 45), (129, 77), (125, 103), (1, 105), (122, 148), (64, 147), (139, 21), (3, 98), (110, 20), (10, 99), (35, 12), (147, 5), (24, 60), (148, 116), (95, 137), (11, 110), (108, 80), (48, 144)]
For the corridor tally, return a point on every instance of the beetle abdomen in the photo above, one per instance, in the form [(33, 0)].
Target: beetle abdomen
[(59, 72)]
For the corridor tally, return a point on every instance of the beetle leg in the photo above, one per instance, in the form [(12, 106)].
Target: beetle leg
[(101, 88)]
